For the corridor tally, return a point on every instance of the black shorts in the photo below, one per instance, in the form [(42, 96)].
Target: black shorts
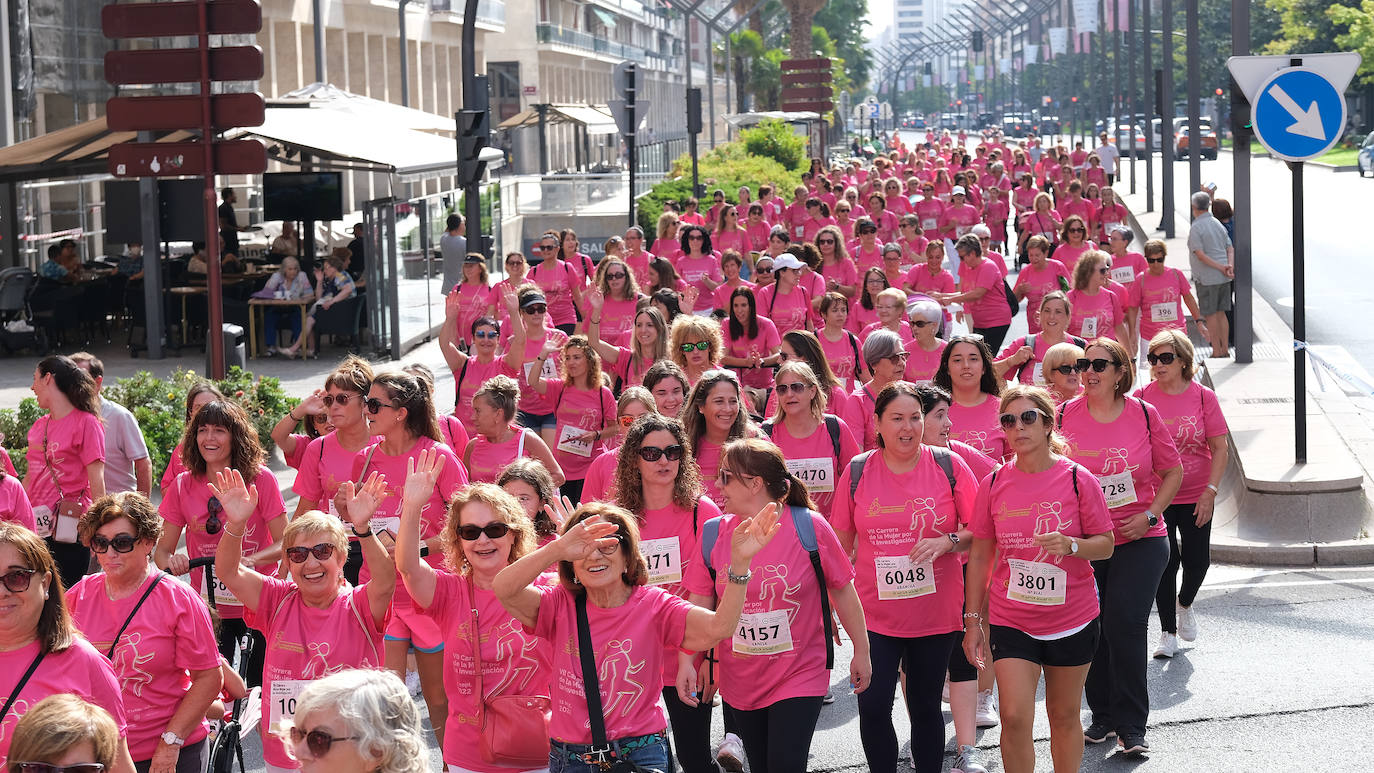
[(1075, 650)]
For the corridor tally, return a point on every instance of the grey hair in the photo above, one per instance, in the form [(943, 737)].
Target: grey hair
[(376, 707), (289, 261), (636, 230), (929, 311), (980, 230), (1126, 233), (892, 247), (1202, 201), (880, 345)]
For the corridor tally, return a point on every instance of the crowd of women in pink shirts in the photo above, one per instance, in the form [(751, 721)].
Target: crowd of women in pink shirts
[(715, 446)]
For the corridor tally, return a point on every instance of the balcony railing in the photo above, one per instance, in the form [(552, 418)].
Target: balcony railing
[(491, 12), (552, 33)]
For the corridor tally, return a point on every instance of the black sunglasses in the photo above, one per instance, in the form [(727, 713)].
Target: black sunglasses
[(1154, 260), (47, 767), (494, 530), (318, 741), (1028, 418), (763, 270), (300, 553), (374, 405), (212, 510), (613, 275), (1067, 370), (825, 241), (796, 388), (18, 580), (548, 247), (654, 453), (343, 398), (1167, 358), (122, 543), (1099, 365), (535, 309), (700, 346), (1078, 230)]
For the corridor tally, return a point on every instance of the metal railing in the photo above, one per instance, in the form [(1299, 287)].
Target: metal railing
[(491, 12), (553, 33), (574, 194)]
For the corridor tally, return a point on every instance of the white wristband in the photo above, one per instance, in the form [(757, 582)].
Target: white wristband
[(1213, 488)]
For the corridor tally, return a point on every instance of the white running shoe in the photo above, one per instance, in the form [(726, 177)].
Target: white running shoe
[(986, 714), (1187, 623), (730, 756), (1168, 645), (967, 761), (413, 682)]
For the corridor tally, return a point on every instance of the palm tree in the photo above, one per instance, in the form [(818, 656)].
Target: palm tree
[(801, 13)]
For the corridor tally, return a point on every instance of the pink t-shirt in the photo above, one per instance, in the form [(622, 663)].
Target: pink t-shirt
[(1193, 417), (860, 417), (813, 459), (617, 320), (1123, 292), (980, 463), (1127, 445), (845, 272), (596, 487), (1028, 373), (293, 459), (757, 236), (14, 503), (79, 670), (579, 410), (486, 460), (890, 513), (978, 426), (74, 442), (631, 373), (1095, 315), (184, 506), (1069, 255), (454, 434), (960, 220), (921, 365), (675, 546), (474, 301), (783, 582), (694, 271), (730, 240), (707, 455), (1012, 507), (844, 357), (931, 212), (170, 637), (903, 331), (325, 467), (639, 265), (923, 281), (789, 311), (630, 641), (306, 643), (812, 226), (991, 310), (514, 662), (1108, 217), (532, 401), (665, 248), (865, 258), (996, 213), (859, 317), (1037, 283), (1160, 299), (557, 278), (763, 344), (720, 298)]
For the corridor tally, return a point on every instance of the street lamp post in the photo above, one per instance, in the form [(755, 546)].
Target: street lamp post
[(1166, 122)]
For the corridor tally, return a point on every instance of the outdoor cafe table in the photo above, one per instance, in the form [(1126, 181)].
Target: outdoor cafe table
[(258, 306)]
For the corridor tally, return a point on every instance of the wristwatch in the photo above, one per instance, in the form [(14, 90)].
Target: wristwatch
[(364, 534), (739, 579), (1152, 518), (954, 538), (1073, 546), (172, 739)]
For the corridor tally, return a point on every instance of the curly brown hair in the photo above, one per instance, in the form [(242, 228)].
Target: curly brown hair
[(628, 485), (247, 455), (125, 504)]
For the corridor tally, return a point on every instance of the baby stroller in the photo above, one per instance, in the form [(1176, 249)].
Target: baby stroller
[(227, 744), (17, 330)]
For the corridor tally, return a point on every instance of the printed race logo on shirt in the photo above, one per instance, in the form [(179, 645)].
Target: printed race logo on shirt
[(127, 662), (1048, 519), (619, 687), (515, 650)]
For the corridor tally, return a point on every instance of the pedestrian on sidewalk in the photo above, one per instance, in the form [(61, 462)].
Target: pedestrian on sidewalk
[(1211, 257)]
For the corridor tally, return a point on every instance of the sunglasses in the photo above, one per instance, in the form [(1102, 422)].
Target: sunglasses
[(46, 767), (762, 270), (17, 580), (825, 241), (318, 741), (472, 532), (920, 323), (700, 346), (374, 405), (122, 543), (1078, 230), (796, 388), (548, 247), (1167, 358), (535, 310), (300, 553), (654, 453), (1099, 365), (513, 261), (695, 238), (1103, 270), (1068, 370), (614, 275), (343, 398), (899, 357), (1028, 418), (212, 510), (1154, 260), (867, 231), (483, 335), (610, 550)]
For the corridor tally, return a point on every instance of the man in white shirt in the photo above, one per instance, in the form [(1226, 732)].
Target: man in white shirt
[(1109, 154), (127, 466)]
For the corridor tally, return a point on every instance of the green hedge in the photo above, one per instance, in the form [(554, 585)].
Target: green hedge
[(159, 406)]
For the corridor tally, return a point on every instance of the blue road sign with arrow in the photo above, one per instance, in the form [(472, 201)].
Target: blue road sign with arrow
[(1298, 114)]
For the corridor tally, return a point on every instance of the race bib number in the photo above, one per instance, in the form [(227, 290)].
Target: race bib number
[(1038, 374), (390, 525), (928, 224), (1123, 274), (763, 633), (800, 230), (693, 276), (962, 229), (220, 592), (1090, 327), (570, 440), (43, 519), (898, 578), (818, 474), (1164, 312), (664, 558), (1033, 582), (1119, 489), (281, 708), (547, 371)]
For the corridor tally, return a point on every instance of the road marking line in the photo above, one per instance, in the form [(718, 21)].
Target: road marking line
[(1288, 584)]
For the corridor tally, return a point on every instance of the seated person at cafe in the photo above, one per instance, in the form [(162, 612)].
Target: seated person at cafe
[(131, 262), (54, 268), (333, 285), (288, 283), (288, 244), (196, 264)]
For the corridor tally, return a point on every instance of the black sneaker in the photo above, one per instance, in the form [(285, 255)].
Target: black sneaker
[(1134, 744), (1097, 733)]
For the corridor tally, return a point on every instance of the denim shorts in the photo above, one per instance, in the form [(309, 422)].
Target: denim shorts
[(536, 421)]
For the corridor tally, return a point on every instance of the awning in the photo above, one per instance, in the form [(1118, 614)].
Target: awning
[(70, 152), (750, 119), (596, 118), (607, 18)]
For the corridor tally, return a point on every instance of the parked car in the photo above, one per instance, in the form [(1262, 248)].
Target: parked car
[(1365, 159), (1049, 124), (1123, 139), (1207, 142), (1016, 126)]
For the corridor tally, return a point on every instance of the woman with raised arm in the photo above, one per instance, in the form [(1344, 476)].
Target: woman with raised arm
[(643, 345), (528, 311), (473, 365), (584, 409)]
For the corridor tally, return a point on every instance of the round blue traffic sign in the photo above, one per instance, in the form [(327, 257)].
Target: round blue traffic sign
[(1298, 114)]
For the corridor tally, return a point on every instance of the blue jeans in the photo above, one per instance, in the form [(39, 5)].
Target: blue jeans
[(652, 756)]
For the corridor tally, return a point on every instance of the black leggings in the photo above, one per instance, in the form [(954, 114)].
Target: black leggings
[(1190, 545), (229, 632), (993, 335), (1117, 688), (691, 733), (925, 659), (960, 670), (572, 489), (777, 738)]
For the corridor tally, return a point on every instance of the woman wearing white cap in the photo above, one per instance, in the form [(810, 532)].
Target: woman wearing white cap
[(784, 301)]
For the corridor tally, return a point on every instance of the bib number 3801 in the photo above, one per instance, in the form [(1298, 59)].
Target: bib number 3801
[(763, 633), (1034, 582), (898, 578)]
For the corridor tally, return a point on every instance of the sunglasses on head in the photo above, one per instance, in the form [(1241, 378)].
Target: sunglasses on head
[(122, 543), (472, 532), (796, 388), (1154, 260), (1098, 365), (1028, 418), (212, 510), (374, 405), (47, 767), (700, 346), (1167, 358), (343, 398), (17, 580), (654, 453), (318, 741), (486, 334), (322, 552), (535, 309)]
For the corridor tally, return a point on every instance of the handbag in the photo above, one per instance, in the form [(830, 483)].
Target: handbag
[(591, 684), (513, 729), (66, 512)]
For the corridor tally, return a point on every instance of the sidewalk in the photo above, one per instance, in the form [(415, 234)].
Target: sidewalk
[(1272, 511)]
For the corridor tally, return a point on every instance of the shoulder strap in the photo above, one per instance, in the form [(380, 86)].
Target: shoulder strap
[(856, 472), (945, 458), (133, 612), (806, 534), (590, 683), (458, 385), (854, 344), (362, 476), (520, 443), (710, 531), (23, 680), (367, 634), (1145, 411), (832, 425)]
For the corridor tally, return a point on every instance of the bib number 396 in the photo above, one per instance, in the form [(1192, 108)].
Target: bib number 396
[(898, 578), (1034, 582), (763, 633)]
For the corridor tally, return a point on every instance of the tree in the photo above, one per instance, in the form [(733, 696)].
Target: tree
[(1358, 34), (845, 21), (800, 14), (1305, 26)]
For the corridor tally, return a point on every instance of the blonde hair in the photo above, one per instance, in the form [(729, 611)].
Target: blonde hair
[(697, 328), (1123, 361), (1065, 353), (315, 522), (807, 376), (502, 392), (56, 724), (1086, 265), (594, 380), (1183, 348)]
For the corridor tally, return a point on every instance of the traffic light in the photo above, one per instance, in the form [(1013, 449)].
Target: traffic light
[(929, 71), (1074, 100), (474, 134), (977, 40), (694, 110)]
